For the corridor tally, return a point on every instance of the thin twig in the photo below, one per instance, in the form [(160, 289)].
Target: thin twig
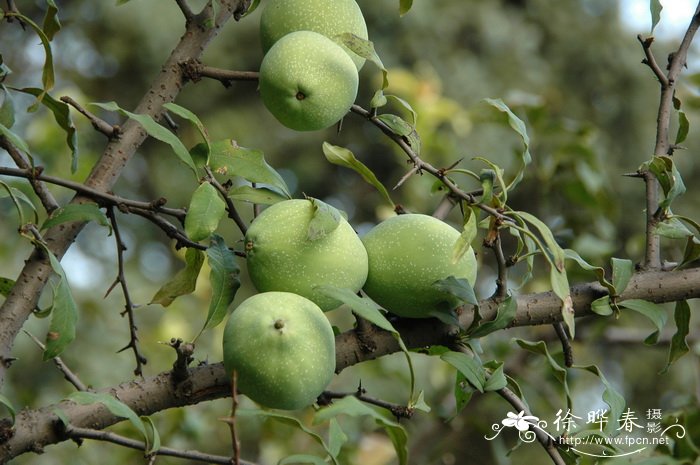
[(549, 445), (565, 343), (194, 70), (67, 373), (502, 265), (100, 125), (102, 198), (74, 432), (32, 174), (186, 10), (399, 411), (230, 207), (235, 442), (128, 304)]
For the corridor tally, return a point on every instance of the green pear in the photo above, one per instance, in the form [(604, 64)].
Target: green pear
[(282, 348), (307, 81), (282, 257), (327, 17), (407, 254)]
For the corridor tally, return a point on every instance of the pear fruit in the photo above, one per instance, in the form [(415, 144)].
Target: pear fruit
[(282, 348), (282, 256), (327, 17), (407, 255), (307, 81)]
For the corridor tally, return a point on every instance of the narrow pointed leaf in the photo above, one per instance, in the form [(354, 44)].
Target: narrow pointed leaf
[(469, 367), (655, 8), (155, 130), (559, 372), (325, 220), (51, 23), (654, 312), (622, 270), (61, 113), (504, 317), (679, 345), (457, 287), (519, 127), (224, 278), (467, 235), (16, 140), (497, 380), (183, 282), (5, 402), (229, 159), (204, 213), (115, 406), (343, 157), (597, 270), (64, 314), (611, 396), (365, 49), (404, 6), (77, 212), (257, 195), (183, 112)]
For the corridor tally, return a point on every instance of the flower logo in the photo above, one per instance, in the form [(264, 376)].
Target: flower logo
[(520, 421)]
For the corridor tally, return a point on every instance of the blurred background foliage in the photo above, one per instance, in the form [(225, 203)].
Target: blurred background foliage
[(570, 70)]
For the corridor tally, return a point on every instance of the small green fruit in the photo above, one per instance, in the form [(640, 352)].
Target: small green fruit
[(407, 254), (327, 17), (282, 348), (282, 257), (307, 81)]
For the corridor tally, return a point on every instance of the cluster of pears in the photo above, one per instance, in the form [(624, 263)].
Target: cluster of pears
[(279, 341), (309, 80)]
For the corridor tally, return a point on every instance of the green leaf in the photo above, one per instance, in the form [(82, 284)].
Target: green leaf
[(184, 113), (504, 317), (398, 125), (519, 127), (343, 157), (457, 287), (302, 458), (16, 140), (229, 159), (155, 130), (601, 306), (7, 107), (351, 406), (655, 8), (257, 195), (494, 174), (115, 406), (468, 234), (378, 99), (404, 6), (51, 23), (463, 392), (18, 197), (365, 49), (497, 380), (183, 282), (64, 315), (560, 286), (656, 313), (672, 228), (47, 75), (679, 345), (472, 370), (336, 437), (599, 271), (622, 270), (368, 310), (664, 169), (691, 252), (419, 403), (611, 396), (559, 372), (224, 278), (8, 406), (683, 123), (553, 250), (6, 285), (290, 421), (325, 220), (61, 113), (204, 213), (77, 212), (152, 435), (407, 106)]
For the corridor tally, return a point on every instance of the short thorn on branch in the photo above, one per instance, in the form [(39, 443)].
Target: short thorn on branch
[(397, 410)]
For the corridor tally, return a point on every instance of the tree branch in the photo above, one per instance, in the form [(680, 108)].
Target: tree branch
[(22, 299), (34, 429)]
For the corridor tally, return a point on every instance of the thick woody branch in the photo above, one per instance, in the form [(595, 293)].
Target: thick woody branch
[(36, 428), (21, 301)]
